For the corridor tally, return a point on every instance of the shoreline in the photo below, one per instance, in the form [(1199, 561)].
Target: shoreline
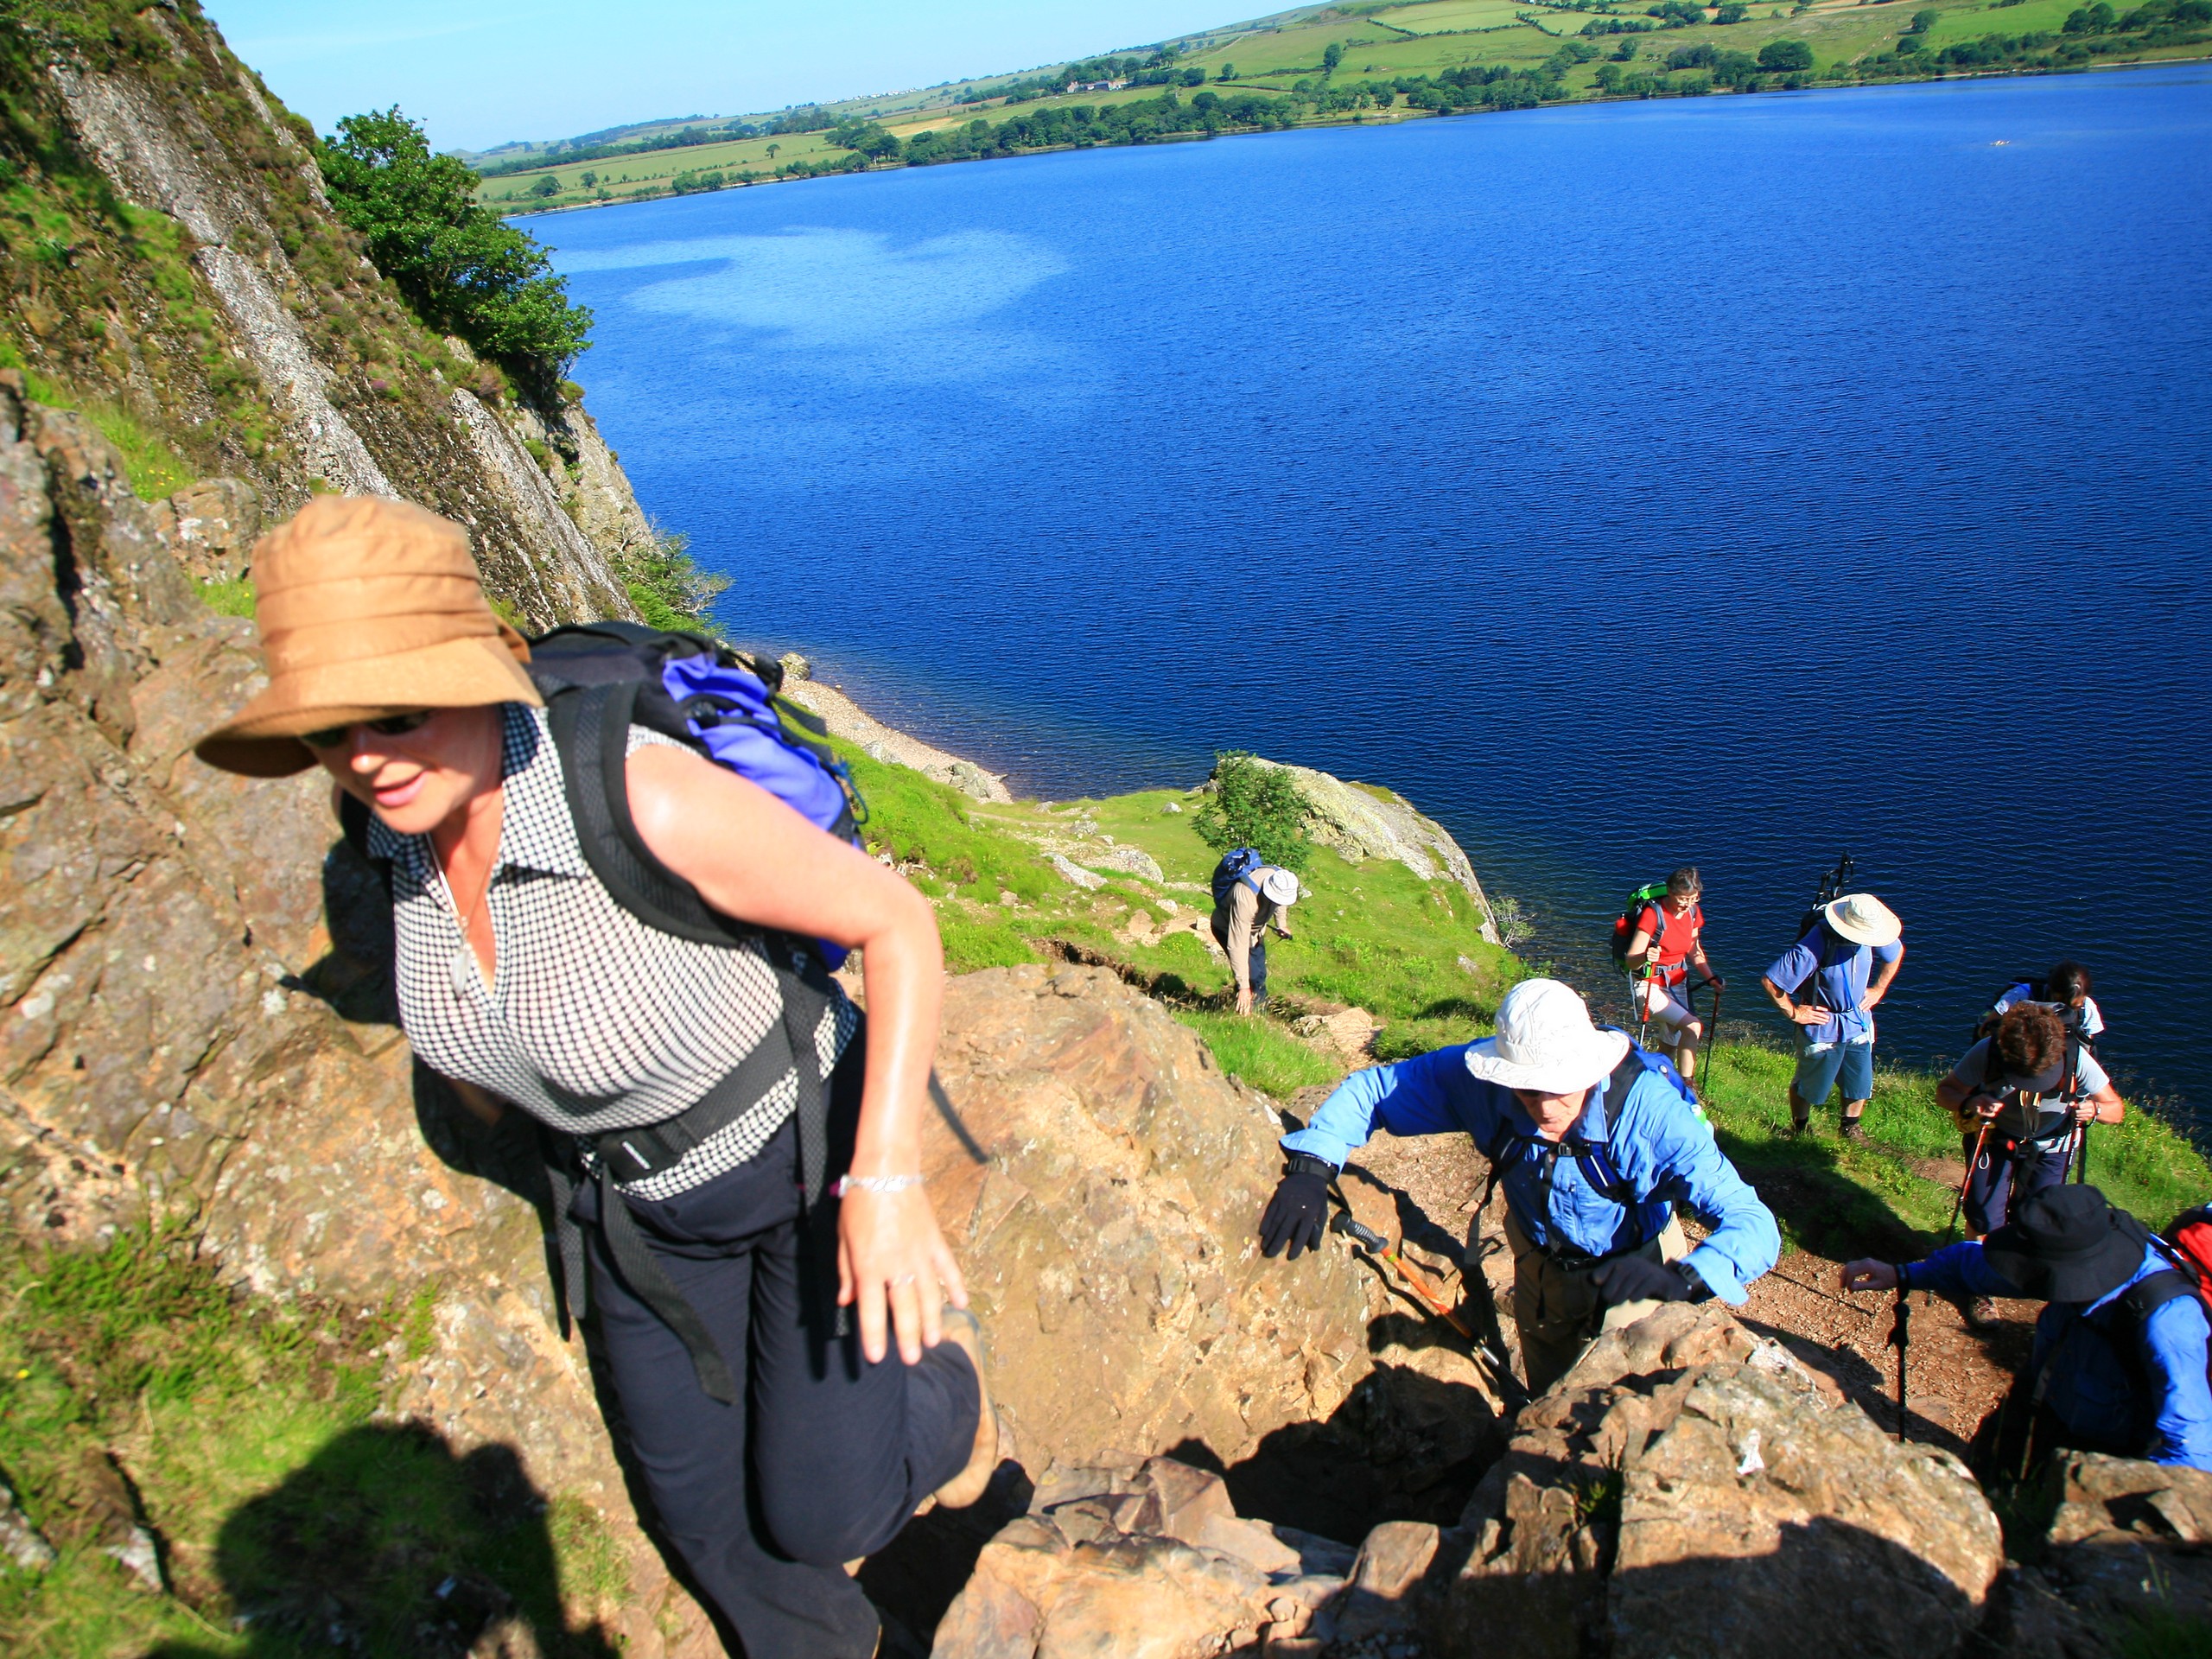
[(1357, 119)]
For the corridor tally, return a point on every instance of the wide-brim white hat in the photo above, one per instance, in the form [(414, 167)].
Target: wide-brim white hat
[(1545, 1042), (1864, 919), (1280, 886)]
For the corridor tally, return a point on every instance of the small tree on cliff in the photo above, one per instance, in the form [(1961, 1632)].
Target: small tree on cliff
[(463, 271), (1255, 805)]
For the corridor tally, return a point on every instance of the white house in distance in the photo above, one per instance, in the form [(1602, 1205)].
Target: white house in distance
[(1095, 86)]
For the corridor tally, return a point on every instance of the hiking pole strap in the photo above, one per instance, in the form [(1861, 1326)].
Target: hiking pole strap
[(650, 1283), (1900, 1335), (573, 1298)]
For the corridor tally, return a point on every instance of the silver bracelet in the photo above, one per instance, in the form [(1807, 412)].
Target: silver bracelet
[(873, 1183)]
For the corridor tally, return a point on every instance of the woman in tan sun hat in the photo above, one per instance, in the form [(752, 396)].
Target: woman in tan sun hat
[(776, 1445), (1836, 963)]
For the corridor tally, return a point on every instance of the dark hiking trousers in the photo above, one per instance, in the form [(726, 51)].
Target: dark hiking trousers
[(1256, 964), (824, 1458), (2007, 1176)]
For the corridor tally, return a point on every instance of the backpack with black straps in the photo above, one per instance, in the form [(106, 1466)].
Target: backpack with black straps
[(598, 680), (1508, 1144), (1237, 864), (2076, 1020)]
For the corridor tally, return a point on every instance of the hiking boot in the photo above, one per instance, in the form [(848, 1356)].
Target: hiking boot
[(962, 1329), (1979, 1311), (1800, 1127), (1855, 1130)]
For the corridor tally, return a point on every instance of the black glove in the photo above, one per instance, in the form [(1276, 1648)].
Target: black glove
[(1638, 1279), (1300, 1208)]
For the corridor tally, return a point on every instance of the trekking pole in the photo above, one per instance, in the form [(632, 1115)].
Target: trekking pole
[(1958, 1207), (1899, 1335), (1372, 1242)]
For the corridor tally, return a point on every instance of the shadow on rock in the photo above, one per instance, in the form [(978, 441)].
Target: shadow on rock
[(916, 1576), (387, 1543), (1402, 1446)]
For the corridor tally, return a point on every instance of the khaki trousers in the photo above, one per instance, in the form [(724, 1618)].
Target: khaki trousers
[(1558, 1309)]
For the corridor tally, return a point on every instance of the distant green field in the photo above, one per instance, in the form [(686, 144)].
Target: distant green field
[(1280, 54)]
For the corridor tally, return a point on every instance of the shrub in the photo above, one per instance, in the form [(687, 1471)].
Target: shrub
[(1254, 805), (1786, 57), (463, 271)]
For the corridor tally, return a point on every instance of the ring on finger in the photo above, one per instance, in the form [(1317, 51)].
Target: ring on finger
[(903, 1279)]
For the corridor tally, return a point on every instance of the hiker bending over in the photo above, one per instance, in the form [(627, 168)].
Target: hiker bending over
[(1594, 1140), (2065, 988), (1835, 965), (1670, 936), (777, 1440), (2118, 1364), (1249, 897), (2022, 1098)]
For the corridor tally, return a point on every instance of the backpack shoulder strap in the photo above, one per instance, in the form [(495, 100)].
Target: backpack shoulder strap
[(590, 725)]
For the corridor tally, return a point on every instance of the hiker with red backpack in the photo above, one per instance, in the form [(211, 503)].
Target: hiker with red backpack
[(1594, 1141), (2120, 1359), (1665, 937), (619, 886)]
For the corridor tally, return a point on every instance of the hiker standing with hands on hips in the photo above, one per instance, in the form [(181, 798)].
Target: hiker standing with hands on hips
[(1827, 984), (682, 1023), (1250, 896), (1595, 1142), (1669, 937)]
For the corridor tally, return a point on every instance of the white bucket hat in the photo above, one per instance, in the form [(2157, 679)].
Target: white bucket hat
[(1545, 1041), (1280, 886), (1864, 919)]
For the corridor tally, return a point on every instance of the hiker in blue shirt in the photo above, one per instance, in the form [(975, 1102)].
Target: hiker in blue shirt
[(2119, 1364), (1595, 1143), (1835, 1014)]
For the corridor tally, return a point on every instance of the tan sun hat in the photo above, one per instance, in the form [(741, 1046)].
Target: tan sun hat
[(1864, 919), (366, 607)]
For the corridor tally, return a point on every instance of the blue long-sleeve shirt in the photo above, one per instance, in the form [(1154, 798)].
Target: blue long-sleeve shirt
[(1655, 1139), (2163, 1412)]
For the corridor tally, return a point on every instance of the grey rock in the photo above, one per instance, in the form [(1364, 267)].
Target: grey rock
[(1076, 875), (795, 667), (1130, 860), (19, 1541)]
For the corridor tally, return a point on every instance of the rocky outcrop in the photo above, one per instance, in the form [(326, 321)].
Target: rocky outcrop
[(1706, 1508), (847, 720), (2128, 1549), (1363, 821), (236, 320), (1155, 1563)]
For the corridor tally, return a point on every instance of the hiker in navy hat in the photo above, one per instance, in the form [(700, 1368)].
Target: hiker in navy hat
[(2120, 1355)]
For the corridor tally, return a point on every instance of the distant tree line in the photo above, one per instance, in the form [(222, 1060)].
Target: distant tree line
[(556, 155), (2089, 32), (1157, 68)]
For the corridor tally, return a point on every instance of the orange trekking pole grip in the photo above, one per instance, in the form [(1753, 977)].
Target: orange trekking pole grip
[(1368, 1239)]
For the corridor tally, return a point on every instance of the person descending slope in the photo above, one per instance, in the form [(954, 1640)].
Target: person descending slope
[(1665, 937), (1834, 961), (605, 927), (2118, 1364), (1594, 1141), (1250, 896)]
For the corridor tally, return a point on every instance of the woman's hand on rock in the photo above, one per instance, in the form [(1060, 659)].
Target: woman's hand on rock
[(893, 1266)]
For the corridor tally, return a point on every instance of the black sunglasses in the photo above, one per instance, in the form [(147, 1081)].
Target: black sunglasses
[(390, 726)]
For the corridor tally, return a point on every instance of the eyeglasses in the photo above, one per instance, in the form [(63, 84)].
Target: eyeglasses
[(390, 726)]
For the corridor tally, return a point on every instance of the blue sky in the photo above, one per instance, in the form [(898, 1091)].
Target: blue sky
[(479, 72)]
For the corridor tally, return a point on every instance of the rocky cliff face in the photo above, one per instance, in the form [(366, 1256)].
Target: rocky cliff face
[(180, 274)]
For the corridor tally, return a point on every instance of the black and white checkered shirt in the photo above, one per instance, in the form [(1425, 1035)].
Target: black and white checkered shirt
[(596, 1021)]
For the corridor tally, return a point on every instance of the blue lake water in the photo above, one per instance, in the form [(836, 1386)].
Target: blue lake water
[(1732, 480)]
